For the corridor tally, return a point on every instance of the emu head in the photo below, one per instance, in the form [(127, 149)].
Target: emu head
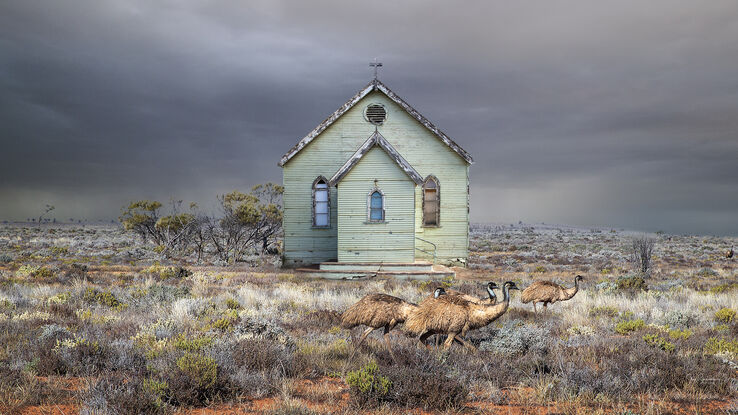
[(578, 278), (511, 285), (439, 292), (490, 290)]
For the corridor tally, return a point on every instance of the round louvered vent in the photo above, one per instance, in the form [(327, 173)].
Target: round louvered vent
[(375, 114)]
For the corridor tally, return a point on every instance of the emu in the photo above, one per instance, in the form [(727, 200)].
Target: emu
[(548, 292), (453, 316), (376, 311)]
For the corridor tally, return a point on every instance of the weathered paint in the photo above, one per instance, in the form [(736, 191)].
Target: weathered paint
[(392, 240), (339, 139)]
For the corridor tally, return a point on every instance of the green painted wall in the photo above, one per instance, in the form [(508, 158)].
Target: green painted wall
[(362, 241), (330, 150)]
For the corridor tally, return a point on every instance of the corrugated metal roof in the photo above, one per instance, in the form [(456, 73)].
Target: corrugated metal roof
[(375, 85), (376, 139)]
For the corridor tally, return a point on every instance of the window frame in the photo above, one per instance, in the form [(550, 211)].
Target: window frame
[(317, 181), (434, 179), (369, 206)]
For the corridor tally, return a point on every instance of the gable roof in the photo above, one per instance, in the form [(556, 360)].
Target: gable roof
[(374, 85), (376, 139)]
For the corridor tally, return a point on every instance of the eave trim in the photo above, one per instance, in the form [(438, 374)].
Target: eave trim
[(376, 139)]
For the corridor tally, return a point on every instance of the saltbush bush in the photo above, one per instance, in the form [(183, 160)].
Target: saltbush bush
[(516, 338)]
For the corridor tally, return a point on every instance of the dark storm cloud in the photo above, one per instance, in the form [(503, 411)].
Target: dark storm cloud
[(622, 114)]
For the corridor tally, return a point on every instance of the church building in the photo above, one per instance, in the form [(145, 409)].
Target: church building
[(375, 183)]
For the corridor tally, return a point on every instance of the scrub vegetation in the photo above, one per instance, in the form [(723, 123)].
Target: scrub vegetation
[(93, 319)]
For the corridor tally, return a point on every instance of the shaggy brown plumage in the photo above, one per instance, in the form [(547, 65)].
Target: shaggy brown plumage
[(453, 316), (376, 311), (548, 292), (436, 293)]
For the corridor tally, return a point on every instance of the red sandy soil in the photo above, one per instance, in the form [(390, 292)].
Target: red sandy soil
[(328, 395)]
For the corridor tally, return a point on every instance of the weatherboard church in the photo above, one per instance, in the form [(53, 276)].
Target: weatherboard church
[(376, 183)]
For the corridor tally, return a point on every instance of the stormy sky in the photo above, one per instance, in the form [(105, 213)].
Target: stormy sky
[(621, 113)]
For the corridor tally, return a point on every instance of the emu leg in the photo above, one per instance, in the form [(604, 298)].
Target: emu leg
[(534, 308), (449, 341), (361, 340), (424, 337), (387, 329), (545, 307), (465, 343)]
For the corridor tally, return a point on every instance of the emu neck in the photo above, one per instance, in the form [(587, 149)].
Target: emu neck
[(571, 291), (482, 315), (492, 296)]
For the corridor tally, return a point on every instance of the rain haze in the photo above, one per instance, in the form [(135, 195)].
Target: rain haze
[(621, 114)]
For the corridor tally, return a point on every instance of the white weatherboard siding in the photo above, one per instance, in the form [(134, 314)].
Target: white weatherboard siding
[(362, 241), (337, 143)]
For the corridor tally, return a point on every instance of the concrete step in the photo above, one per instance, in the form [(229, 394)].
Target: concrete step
[(348, 274), (421, 266), (417, 275), (335, 274)]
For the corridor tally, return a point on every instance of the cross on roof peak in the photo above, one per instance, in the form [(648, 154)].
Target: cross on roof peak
[(376, 65)]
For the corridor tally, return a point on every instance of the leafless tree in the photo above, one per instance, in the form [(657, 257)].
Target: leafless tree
[(47, 209), (642, 248)]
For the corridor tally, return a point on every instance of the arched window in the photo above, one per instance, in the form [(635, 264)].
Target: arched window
[(376, 206), (431, 202), (321, 203)]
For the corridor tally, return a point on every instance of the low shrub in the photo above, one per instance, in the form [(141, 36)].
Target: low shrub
[(367, 386), (105, 298), (715, 346), (654, 340), (632, 283), (680, 334), (707, 272), (233, 304), (20, 388), (625, 327), (604, 310), (222, 324), (516, 338), (164, 273), (195, 344), (196, 380), (74, 270), (679, 319), (321, 359), (722, 288), (432, 391), (84, 357), (725, 315), (262, 354), (121, 394)]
